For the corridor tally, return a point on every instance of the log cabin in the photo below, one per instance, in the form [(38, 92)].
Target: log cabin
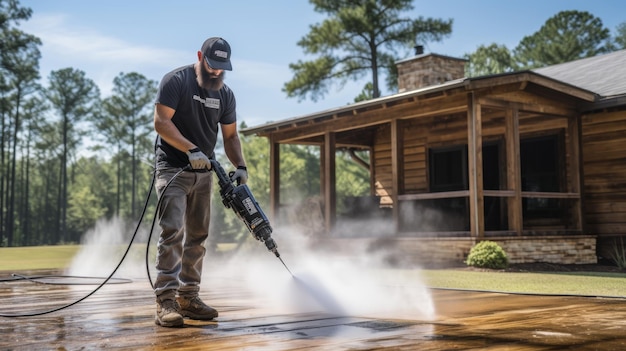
[(534, 160)]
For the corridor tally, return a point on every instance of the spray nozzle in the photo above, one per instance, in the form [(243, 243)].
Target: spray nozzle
[(271, 245)]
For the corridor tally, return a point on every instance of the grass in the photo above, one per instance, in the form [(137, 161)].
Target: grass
[(569, 283), (30, 258), (14, 259)]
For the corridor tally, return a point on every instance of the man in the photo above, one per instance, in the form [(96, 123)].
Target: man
[(191, 104)]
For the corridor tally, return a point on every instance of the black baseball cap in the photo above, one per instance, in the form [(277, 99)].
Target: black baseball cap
[(217, 53)]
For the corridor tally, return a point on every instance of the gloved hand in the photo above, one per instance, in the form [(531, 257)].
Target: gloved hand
[(241, 175), (198, 160)]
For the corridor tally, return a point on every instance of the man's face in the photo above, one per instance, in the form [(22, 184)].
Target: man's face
[(209, 78)]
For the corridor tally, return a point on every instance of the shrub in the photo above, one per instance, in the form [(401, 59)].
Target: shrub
[(487, 254)]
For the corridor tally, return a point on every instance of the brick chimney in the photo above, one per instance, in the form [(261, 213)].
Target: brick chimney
[(423, 70)]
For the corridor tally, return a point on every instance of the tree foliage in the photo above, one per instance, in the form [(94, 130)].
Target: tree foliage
[(123, 122), (487, 60), (11, 13), (73, 96), (358, 38), (19, 63), (87, 203), (566, 36), (620, 37)]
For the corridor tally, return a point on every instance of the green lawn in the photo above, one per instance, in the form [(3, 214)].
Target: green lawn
[(37, 257), (580, 283)]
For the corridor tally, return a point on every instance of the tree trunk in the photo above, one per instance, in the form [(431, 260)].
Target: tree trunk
[(26, 235), (2, 176), (133, 175), (118, 195), (63, 204), (11, 203)]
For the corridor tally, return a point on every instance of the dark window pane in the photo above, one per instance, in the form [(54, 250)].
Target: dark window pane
[(448, 168)]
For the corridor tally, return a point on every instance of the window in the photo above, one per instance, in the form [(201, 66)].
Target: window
[(448, 168), (540, 173)]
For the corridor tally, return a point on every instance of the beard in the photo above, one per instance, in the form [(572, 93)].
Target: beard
[(208, 80)]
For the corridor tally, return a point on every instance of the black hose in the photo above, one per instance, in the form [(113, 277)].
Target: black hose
[(44, 279), (154, 221)]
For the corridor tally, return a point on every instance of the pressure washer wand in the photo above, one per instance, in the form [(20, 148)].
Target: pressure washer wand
[(271, 246), (283, 262), (239, 198)]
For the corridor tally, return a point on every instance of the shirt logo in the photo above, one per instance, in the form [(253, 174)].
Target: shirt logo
[(208, 102)]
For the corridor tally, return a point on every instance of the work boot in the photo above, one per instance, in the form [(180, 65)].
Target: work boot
[(168, 314), (194, 308)]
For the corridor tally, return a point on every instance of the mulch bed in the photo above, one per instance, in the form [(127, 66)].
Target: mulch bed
[(600, 267), (555, 267)]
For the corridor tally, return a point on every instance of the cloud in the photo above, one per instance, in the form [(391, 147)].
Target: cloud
[(257, 83), (100, 56)]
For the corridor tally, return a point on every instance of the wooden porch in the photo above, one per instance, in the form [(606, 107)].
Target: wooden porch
[(401, 131)]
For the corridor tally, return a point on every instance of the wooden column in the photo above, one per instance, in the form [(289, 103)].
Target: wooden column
[(513, 170), (372, 172), (397, 176), (330, 194), (475, 168), (575, 171), (322, 171), (274, 179)]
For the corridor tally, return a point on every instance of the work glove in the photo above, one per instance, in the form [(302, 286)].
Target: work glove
[(198, 160), (241, 175)]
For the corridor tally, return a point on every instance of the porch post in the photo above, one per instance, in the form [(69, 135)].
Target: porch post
[(513, 170), (322, 169), (475, 167), (575, 171), (274, 178), (397, 166), (330, 193)]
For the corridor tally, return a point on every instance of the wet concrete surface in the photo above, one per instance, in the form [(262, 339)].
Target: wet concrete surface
[(121, 317)]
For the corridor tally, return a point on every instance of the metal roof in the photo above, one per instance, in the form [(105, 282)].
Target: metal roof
[(604, 75)]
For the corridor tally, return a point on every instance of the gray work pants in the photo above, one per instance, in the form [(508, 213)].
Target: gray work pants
[(184, 215)]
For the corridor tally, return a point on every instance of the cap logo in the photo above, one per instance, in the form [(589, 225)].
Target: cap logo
[(220, 53)]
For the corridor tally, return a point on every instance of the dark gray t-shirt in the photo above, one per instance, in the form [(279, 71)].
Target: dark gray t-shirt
[(198, 113)]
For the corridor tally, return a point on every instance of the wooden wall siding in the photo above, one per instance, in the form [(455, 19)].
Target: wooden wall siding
[(382, 164), (604, 172), (415, 180)]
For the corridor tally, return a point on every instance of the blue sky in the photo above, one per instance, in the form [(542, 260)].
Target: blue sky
[(105, 38)]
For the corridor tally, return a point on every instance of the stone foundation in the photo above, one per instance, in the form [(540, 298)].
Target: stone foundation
[(557, 249), (410, 252)]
